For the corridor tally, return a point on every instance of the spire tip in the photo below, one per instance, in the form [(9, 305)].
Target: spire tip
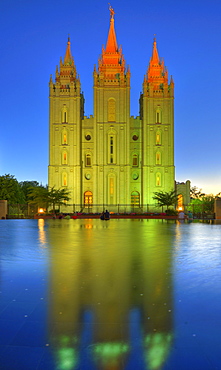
[(112, 12)]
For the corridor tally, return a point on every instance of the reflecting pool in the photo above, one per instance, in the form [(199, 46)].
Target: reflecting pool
[(110, 295)]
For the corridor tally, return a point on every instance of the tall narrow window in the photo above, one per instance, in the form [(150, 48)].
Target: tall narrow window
[(158, 158), (64, 114), (111, 190), (88, 159), (135, 160), (111, 149), (88, 198), (158, 179), (111, 186), (64, 137), (158, 115), (64, 179), (64, 158), (158, 138), (111, 110)]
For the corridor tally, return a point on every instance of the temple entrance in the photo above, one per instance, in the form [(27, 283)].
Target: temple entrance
[(88, 199)]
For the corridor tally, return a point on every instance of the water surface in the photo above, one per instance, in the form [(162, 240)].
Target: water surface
[(109, 295)]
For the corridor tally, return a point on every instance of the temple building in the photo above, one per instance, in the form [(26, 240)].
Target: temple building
[(111, 160)]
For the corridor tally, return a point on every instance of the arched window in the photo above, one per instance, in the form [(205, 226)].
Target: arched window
[(88, 198), (158, 158), (111, 188), (135, 198), (135, 160), (180, 202), (158, 179), (158, 115), (64, 114), (64, 179), (64, 158), (64, 138), (88, 160), (111, 110), (158, 138)]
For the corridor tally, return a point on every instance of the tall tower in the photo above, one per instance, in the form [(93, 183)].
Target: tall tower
[(111, 118), (157, 115), (66, 110)]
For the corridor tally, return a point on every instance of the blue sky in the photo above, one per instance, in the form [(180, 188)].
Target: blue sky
[(34, 37)]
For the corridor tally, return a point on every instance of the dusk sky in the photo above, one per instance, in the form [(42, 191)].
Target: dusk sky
[(34, 36)]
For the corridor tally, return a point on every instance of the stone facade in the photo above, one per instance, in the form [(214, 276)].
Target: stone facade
[(111, 159)]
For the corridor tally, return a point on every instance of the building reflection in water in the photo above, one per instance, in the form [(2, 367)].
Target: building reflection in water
[(41, 232), (110, 294)]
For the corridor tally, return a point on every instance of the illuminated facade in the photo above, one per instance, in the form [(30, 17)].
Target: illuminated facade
[(112, 159)]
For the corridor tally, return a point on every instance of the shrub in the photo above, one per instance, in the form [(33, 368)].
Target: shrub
[(171, 212)]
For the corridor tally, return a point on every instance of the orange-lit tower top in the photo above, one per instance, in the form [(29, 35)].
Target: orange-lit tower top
[(156, 78), (68, 67), (111, 65), (67, 75)]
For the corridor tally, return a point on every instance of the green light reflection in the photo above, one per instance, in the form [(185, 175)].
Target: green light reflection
[(110, 352), (157, 349), (67, 358)]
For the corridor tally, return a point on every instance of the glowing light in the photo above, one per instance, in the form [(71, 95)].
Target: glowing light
[(110, 352), (41, 231), (180, 206), (40, 210), (67, 359), (158, 346)]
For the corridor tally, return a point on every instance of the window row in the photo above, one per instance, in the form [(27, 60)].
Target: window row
[(111, 115), (88, 159), (158, 181), (111, 143)]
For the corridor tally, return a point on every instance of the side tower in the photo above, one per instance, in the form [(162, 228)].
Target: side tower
[(112, 124), (66, 111), (157, 116)]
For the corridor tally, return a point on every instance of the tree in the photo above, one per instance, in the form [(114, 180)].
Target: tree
[(196, 193), (10, 189), (38, 195), (44, 198), (26, 187), (204, 204), (57, 197), (165, 198)]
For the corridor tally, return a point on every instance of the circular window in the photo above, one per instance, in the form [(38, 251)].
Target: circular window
[(87, 176), (135, 176), (135, 137), (88, 137)]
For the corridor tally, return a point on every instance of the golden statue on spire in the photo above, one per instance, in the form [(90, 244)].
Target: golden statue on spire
[(112, 12)]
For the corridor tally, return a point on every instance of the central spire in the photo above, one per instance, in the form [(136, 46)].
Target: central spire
[(111, 64), (155, 57), (68, 59), (111, 46), (112, 55)]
